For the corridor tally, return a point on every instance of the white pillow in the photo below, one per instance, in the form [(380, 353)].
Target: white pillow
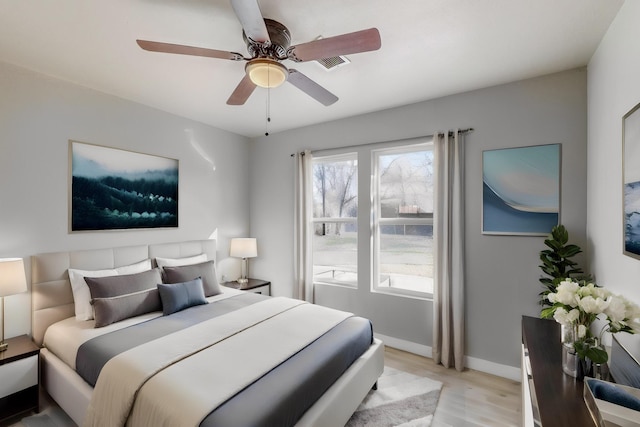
[(178, 262), (81, 294), (138, 267)]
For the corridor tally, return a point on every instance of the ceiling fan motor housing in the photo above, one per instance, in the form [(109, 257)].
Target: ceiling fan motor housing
[(280, 42)]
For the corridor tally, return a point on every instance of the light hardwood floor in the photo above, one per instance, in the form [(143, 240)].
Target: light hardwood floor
[(468, 398)]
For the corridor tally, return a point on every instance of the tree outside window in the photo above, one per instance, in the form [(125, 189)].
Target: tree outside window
[(335, 211)]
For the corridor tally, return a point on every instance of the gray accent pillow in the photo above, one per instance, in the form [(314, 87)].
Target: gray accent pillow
[(205, 270), (113, 286), (113, 309), (178, 296)]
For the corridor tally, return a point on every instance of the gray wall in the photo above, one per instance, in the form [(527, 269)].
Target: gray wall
[(614, 88), (253, 184), (38, 115), (502, 271)]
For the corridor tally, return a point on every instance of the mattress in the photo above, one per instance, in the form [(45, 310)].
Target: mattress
[(279, 396)]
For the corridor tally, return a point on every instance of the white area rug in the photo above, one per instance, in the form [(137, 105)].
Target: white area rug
[(50, 417), (401, 400)]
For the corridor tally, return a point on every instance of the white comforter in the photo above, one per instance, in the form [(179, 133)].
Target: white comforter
[(179, 379)]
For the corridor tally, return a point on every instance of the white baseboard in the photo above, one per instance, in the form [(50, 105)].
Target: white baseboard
[(504, 371), (411, 347)]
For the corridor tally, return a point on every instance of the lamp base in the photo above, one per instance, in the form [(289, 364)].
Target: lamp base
[(243, 281), (3, 346)]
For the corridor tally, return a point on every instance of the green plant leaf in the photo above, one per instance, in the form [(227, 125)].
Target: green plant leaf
[(544, 257), (571, 250), (560, 234), (553, 244), (597, 354), (547, 313)]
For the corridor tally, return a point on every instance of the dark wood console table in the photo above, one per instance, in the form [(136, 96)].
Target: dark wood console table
[(559, 397)]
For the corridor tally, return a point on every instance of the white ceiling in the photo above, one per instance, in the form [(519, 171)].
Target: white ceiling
[(430, 48)]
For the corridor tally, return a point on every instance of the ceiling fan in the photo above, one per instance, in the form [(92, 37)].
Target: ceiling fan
[(269, 43)]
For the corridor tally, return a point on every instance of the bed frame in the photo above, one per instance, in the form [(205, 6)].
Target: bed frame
[(53, 301)]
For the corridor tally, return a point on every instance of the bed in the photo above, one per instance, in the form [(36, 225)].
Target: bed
[(228, 369)]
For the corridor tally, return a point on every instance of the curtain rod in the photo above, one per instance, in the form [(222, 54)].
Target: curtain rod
[(467, 130)]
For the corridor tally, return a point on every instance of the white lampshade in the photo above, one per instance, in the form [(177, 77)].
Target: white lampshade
[(12, 277), (266, 72), (245, 247)]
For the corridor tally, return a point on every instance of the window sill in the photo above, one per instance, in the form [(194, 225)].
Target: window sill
[(336, 283), (403, 293)]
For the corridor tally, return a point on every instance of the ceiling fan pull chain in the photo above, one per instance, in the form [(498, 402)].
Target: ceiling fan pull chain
[(266, 125)]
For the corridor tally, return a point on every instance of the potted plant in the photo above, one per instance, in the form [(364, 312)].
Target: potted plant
[(557, 263)]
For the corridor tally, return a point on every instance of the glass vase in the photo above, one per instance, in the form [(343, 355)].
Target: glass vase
[(568, 334), (572, 364), (598, 370), (570, 361)]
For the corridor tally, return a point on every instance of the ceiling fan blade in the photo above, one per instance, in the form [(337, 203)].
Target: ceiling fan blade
[(242, 92), (250, 17), (311, 88), (345, 44), (187, 50)]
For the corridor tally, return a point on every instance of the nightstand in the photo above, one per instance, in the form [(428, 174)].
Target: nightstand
[(19, 377), (256, 286)]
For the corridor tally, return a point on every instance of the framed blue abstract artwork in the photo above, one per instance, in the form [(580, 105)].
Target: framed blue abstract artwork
[(631, 181), (521, 190), (113, 189)]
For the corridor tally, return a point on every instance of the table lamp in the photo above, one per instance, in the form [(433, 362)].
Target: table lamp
[(12, 281), (244, 248)]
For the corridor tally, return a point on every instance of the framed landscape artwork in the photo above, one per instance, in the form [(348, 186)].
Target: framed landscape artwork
[(631, 181), (521, 190), (113, 189)]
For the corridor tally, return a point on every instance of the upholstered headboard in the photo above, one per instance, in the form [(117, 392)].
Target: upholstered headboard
[(52, 299)]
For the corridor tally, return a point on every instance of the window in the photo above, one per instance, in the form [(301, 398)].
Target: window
[(373, 218), (335, 212), (403, 219)]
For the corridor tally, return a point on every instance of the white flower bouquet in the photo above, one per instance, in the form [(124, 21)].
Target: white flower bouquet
[(576, 305)]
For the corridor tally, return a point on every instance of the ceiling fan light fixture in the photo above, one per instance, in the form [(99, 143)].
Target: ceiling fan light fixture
[(266, 72)]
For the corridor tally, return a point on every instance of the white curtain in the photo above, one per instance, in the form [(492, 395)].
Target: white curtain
[(302, 249), (448, 288)]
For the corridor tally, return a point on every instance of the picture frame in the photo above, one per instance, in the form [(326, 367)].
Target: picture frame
[(631, 182), (521, 190), (115, 189)]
